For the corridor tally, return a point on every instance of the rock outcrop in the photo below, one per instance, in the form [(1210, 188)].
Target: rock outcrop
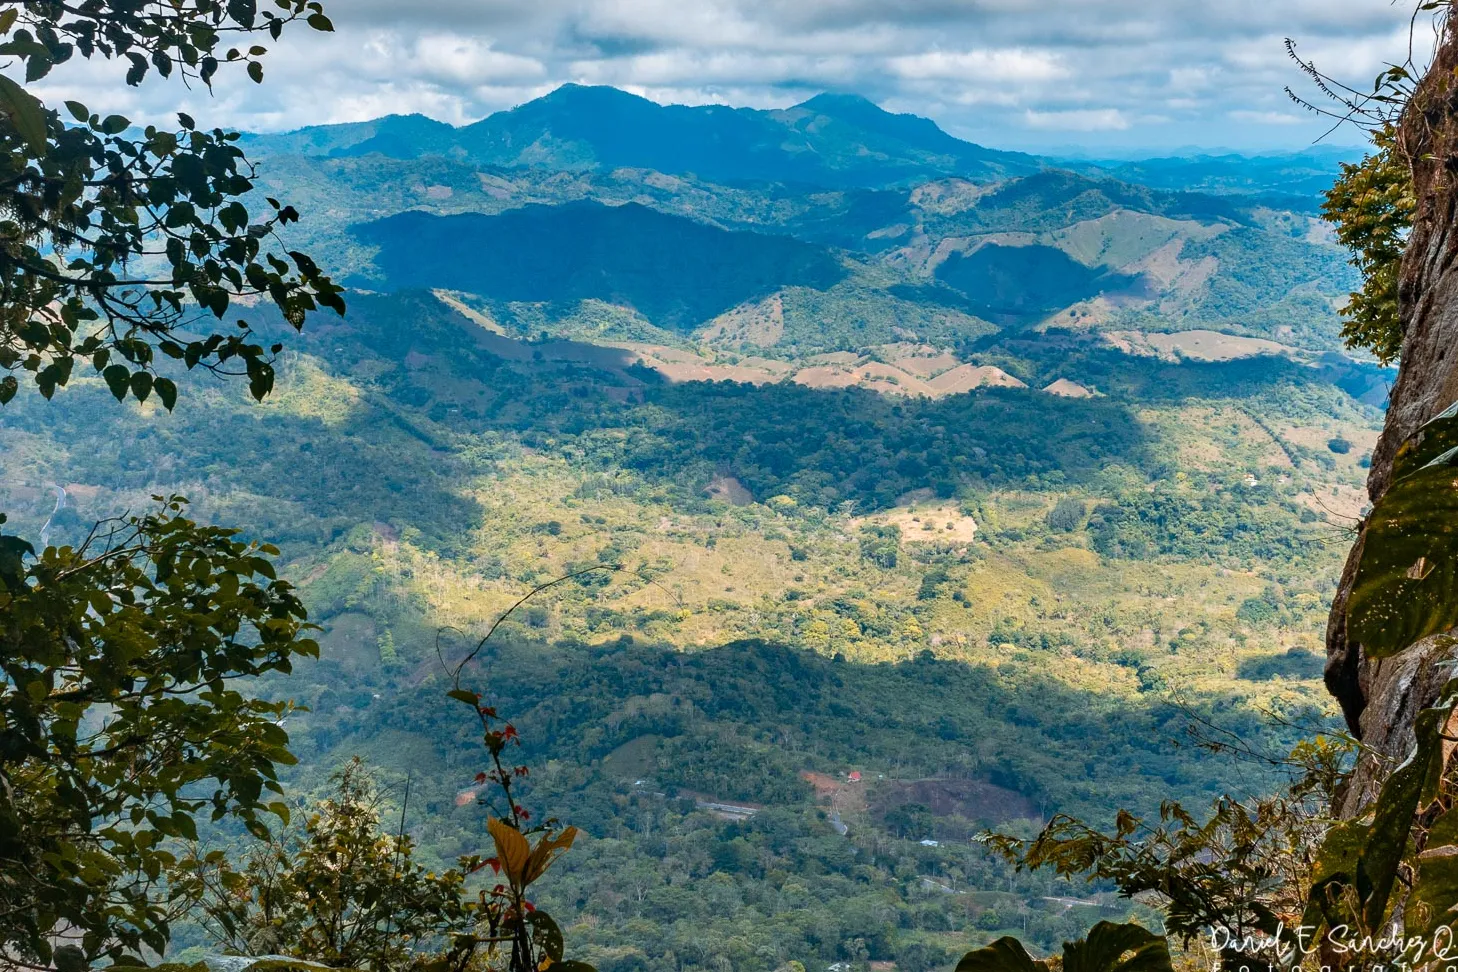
[(1381, 698)]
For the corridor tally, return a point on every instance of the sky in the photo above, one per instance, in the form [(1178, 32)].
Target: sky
[(1106, 77)]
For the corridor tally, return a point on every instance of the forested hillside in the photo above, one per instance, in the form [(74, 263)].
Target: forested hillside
[(931, 487), (990, 604), (917, 237)]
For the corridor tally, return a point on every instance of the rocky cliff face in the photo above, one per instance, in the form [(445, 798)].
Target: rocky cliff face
[(1381, 698)]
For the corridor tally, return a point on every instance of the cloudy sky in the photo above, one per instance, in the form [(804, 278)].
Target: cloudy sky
[(1111, 76)]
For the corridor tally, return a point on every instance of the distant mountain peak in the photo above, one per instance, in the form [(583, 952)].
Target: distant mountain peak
[(835, 139), (840, 101), (573, 93)]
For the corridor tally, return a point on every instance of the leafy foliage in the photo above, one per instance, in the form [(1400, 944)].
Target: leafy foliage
[(344, 893), (338, 891), (1241, 872), (1108, 948), (119, 711), (1403, 590), (1358, 866), (1372, 207), (115, 249), (1434, 897), (514, 927)]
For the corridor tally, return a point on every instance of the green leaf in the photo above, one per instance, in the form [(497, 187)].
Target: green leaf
[(38, 65), (138, 70), (1436, 436), (243, 11), (1107, 944), (7, 19), (464, 695), (141, 385), (26, 113), (1400, 798), (1004, 955), (1408, 572), (255, 71), (1433, 902), (184, 825), (114, 125), (166, 391), (320, 22), (546, 935), (1335, 868), (260, 378), (1365, 857), (13, 552), (116, 377), (78, 111)]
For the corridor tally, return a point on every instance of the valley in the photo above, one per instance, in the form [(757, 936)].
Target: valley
[(872, 451)]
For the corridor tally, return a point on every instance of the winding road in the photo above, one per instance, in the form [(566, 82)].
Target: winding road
[(45, 534)]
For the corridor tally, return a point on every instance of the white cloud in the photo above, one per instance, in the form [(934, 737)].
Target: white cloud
[(468, 61), (697, 68), (1013, 66), (1267, 117), (1078, 120), (1197, 78), (1014, 73)]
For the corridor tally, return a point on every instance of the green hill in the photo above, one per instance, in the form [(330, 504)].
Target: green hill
[(675, 272), (872, 228), (1025, 282), (816, 581), (830, 140)]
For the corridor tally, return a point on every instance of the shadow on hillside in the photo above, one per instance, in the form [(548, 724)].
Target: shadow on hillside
[(433, 382), (673, 270), (1294, 663), (743, 721), (299, 481), (822, 446), (1150, 379)]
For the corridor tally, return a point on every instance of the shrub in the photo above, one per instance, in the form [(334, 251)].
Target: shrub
[(1067, 515), (1255, 610)]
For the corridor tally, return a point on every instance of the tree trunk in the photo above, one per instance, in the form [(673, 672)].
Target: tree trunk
[(1381, 698)]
